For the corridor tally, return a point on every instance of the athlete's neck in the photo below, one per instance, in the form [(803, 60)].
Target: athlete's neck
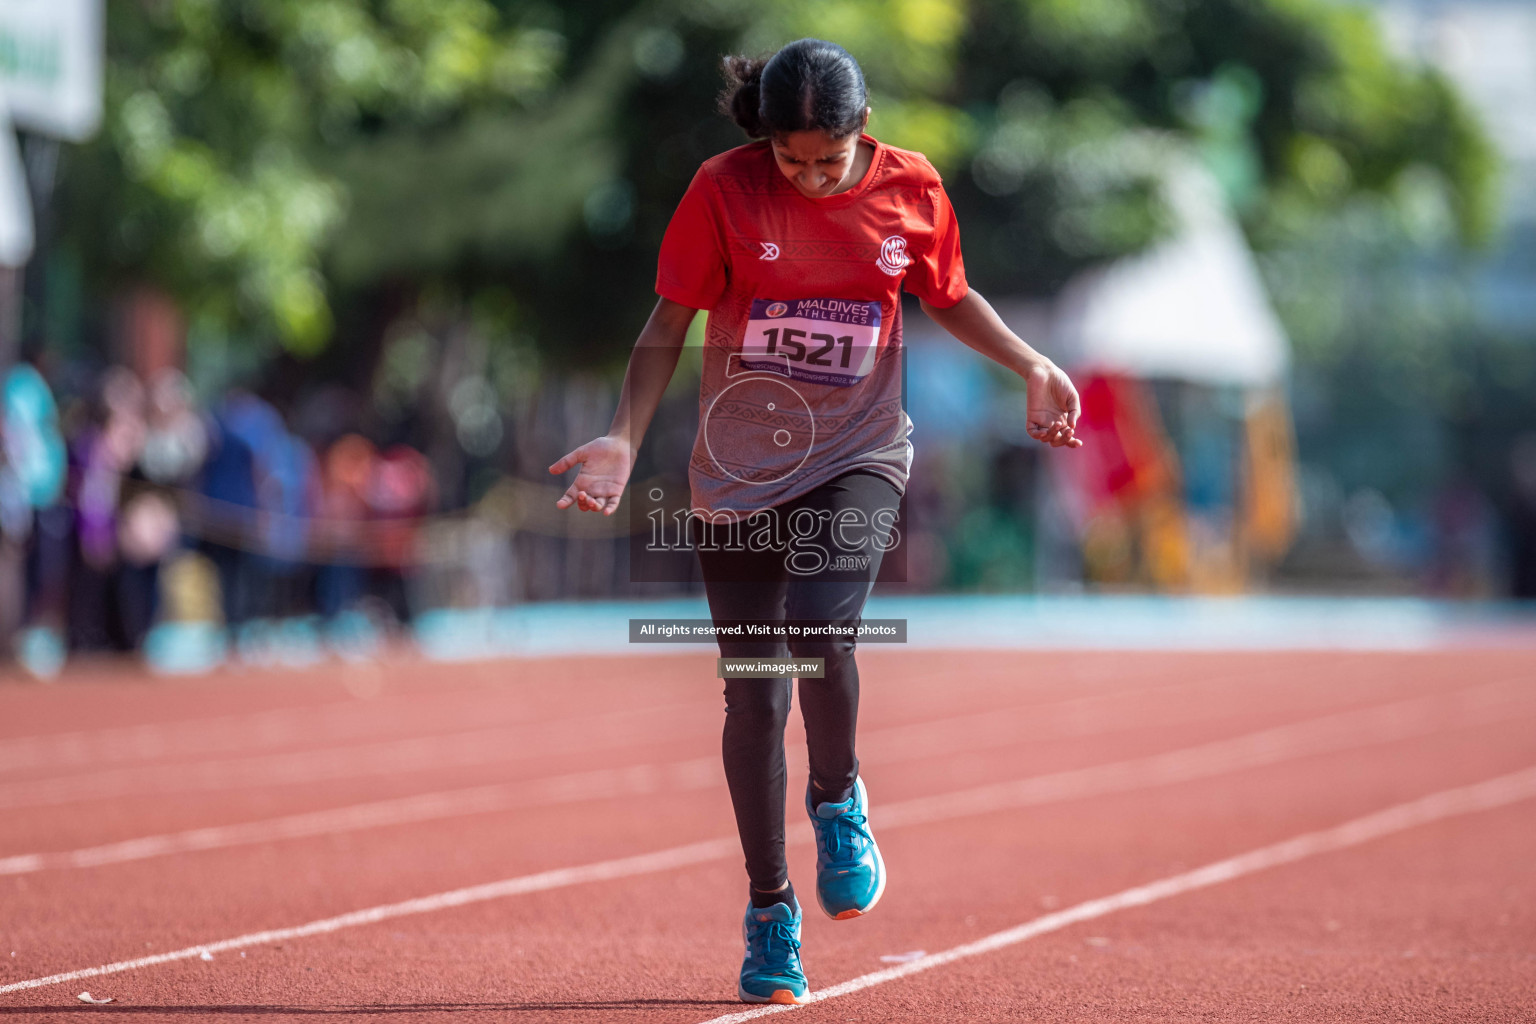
[(862, 158)]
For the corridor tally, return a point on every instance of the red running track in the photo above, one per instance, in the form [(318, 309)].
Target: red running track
[(248, 814)]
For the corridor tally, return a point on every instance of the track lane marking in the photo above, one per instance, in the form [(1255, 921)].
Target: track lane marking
[(1344, 730), (343, 717), (277, 726), (1482, 796), (1491, 793), (1486, 704), (1486, 795), (296, 766), (645, 863), (281, 727), (467, 748), (636, 780), (1067, 717)]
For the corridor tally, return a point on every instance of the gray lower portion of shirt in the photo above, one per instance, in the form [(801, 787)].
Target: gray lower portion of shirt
[(765, 439)]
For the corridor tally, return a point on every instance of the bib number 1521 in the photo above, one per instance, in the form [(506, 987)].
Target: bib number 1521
[(787, 340), (824, 341)]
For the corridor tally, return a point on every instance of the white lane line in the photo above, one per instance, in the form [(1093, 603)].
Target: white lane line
[(637, 780), (1418, 716), (646, 863), (1075, 716), (377, 718), (1486, 795), (407, 753), (1449, 803), (1488, 704), (1177, 704), (390, 757), (342, 718), (1090, 714), (327, 724)]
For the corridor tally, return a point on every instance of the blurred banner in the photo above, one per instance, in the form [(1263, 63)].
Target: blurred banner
[(51, 65)]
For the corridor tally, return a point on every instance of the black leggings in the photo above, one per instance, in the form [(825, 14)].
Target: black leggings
[(758, 586)]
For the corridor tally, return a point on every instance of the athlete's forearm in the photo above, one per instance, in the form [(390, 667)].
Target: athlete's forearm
[(973, 321), (651, 366)]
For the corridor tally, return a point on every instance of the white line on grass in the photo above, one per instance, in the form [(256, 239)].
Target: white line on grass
[(1498, 792), (1491, 702)]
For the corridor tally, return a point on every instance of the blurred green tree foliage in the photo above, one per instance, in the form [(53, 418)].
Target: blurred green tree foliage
[(287, 168), (213, 176)]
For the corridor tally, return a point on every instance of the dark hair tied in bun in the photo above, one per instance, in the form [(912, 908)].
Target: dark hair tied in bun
[(743, 93), (809, 85)]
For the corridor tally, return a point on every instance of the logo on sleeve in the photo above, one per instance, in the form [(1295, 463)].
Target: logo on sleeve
[(770, 251), (893, 255)]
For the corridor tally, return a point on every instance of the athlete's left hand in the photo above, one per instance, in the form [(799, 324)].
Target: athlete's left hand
[(1053, 406), (605, 466)]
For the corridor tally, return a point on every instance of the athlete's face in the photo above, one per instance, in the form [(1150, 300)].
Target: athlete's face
[(816, 163)]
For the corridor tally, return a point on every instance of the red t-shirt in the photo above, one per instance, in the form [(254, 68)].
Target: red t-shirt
[(802, 367)]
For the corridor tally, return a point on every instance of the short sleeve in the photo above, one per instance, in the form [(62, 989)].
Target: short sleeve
[(938, 275), (691, 269)]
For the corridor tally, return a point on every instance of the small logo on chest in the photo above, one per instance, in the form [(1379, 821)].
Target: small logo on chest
[(893, 255), (770, 251)]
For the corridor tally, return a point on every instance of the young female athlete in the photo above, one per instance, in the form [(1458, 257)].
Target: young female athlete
[(799, 245)]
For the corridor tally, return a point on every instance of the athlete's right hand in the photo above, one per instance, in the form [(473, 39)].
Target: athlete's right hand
[(605, 464)]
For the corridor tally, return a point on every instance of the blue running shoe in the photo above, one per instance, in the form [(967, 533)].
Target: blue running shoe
[(770, 971), (850, 875)]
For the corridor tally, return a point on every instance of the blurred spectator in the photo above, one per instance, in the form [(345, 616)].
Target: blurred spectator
[(174, 445), (345, 477), (289, 490), (34, 458), (401, 492), (106, 604), (176, 436), (1126, 495), (1461, 558), (228, 483), (1522, 517), (33, 539), (147, 533), (275, 538)]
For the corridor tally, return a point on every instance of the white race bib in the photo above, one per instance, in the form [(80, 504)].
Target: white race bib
[(822, 341)]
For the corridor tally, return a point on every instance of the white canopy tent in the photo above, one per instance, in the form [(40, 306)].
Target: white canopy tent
[(51, 84), (15, 205), (1191, 308)]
